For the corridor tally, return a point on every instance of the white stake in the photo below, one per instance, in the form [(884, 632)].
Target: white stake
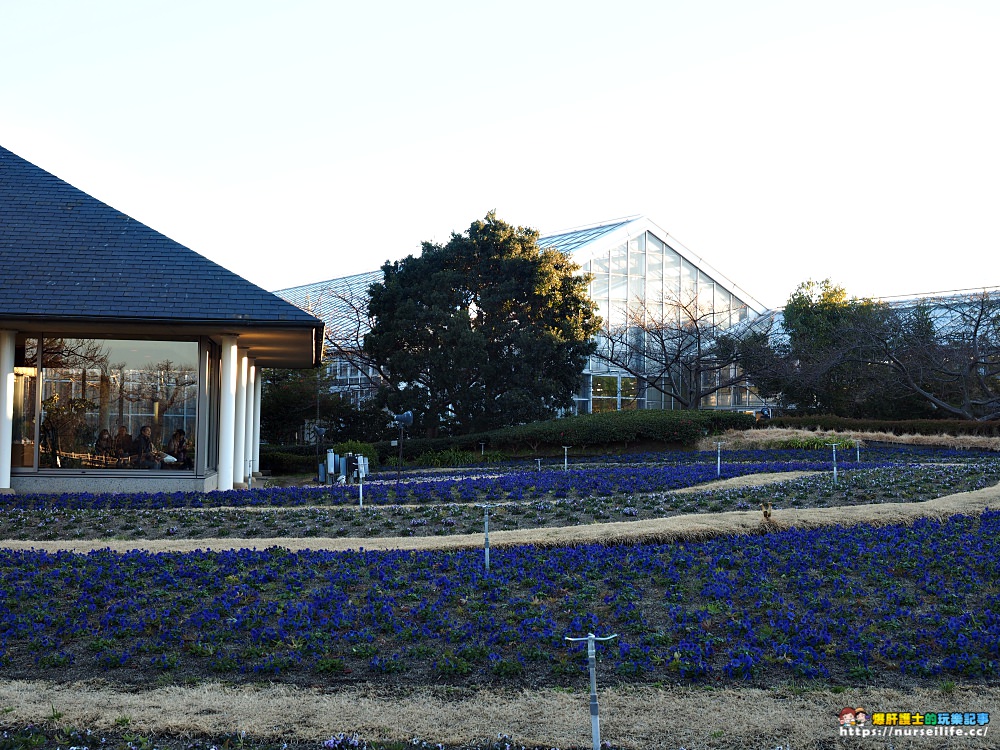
[(834, 461), (486, 533), (595, 719)]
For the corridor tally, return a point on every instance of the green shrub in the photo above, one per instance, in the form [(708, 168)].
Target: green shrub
[(280, 461), (446, 458), (586, 432), (679, 428), (359, 448)]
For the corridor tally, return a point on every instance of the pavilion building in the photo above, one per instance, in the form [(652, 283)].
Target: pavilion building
[(108, 328)]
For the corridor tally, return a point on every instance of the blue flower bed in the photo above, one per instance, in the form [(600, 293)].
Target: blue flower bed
[(835, 603), (516, 485)]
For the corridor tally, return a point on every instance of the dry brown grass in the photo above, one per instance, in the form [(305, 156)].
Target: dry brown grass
[(644, 718), (768, 437)]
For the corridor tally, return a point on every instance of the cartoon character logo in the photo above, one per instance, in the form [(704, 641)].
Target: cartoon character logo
[(860, 717), (846, 717)]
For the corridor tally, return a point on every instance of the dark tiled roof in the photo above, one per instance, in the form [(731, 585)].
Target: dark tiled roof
[(66, 254)]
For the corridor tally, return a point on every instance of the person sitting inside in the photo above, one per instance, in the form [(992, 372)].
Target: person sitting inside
[(146, 454), (177, 447), (122, 446), (104, 448)]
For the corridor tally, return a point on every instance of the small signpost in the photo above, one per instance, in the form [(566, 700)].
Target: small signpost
[(362, 472), (566, 457), (834, 461), (718, 459), (595, 719), (486, 533)]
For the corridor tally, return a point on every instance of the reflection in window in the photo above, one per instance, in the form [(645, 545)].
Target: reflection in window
[(25, 390), (605, 386), (619, 259), (671, 274), (599, 287), (117, 404), (689, 281), (619, 287)]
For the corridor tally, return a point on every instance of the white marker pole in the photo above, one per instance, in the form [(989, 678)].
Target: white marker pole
[(834, 461), (486, 534), (595, 718), (718, 459)]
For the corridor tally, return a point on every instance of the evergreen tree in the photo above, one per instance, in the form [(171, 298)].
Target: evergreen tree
[(485, 331)]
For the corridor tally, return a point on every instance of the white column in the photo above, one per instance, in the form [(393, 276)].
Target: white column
[(248, 422), (258, 389), (239, 423), (227, 412), (6, 405)]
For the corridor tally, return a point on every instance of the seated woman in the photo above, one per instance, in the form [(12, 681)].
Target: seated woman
[(147, 456), (177, 447)]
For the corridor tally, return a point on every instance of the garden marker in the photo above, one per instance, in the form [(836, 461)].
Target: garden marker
[(595, 719), (718, 459), (834, 461), (486, 533), (566, 457), (362, 472)]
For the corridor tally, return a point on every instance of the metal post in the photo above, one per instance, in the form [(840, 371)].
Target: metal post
[(399, 465), (486, 533), (539, 462), (595, 719), (566, 457), (834, 461), (318, 433), (857, 447), (361, 491), (718, 459), (482, 449)]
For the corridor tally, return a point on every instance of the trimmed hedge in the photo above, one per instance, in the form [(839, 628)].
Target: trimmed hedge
[(679, 428), (585, 432), (301, 459)]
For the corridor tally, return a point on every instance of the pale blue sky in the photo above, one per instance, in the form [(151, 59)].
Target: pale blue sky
[(296, 141)]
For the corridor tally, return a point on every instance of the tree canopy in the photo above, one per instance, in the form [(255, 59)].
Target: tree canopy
[(485, 331), (863, 358)]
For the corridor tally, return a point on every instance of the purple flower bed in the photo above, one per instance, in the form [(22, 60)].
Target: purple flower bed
[(842, 604), (520, 485)]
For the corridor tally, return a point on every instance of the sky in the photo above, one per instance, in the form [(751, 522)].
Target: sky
[(302, 140)]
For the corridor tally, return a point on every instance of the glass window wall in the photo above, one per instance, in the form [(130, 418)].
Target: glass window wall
[(109, 403)]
